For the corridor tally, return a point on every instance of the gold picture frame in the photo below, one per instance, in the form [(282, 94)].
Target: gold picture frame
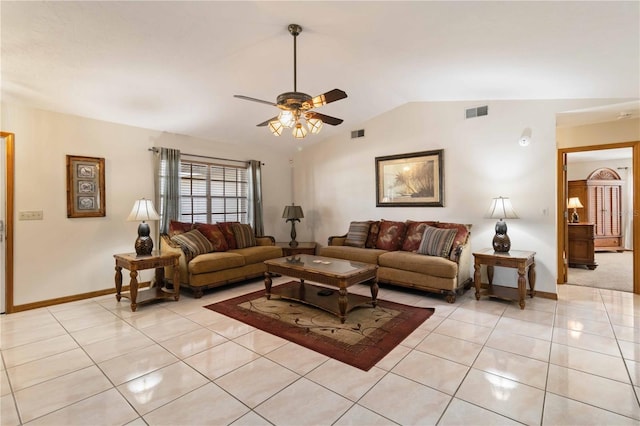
[(410, 180), (85, 187)]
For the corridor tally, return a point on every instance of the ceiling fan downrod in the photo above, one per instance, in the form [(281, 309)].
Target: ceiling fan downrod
[(295, 29)]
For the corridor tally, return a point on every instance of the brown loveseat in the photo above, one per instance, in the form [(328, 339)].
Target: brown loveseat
[(215, 255), (430, 256)]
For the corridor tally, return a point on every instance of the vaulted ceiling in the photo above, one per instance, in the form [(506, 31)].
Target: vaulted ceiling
[(175, 66)]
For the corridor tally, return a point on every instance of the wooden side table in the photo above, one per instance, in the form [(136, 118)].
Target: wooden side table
[(523, 261), (134, 263), (302, 248)]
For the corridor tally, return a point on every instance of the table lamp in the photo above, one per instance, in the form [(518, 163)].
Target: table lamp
[(143, 210), (574, 203), (501, 209), (293, 213)]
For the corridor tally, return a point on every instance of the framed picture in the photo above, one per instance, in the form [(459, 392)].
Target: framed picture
[(85, 186), (410, 180)]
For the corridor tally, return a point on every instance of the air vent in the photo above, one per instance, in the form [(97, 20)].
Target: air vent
[(477, 112), (355, 134)]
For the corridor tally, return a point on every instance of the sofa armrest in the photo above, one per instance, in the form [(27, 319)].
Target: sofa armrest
[(168, 246), (265, 240), (336, 240)]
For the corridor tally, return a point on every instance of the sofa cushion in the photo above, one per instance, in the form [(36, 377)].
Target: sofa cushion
[(391, 235), (176, 227), (429, 265), (374, 229), (356, 254), (244, 235), (462, 234), (357, 235), (193, 243), (437, 242), (214, 235), (258, 254), (216, 261), (227, 231), (413, 235)]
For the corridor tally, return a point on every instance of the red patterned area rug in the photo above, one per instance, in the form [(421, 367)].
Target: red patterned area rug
[(366, 337)]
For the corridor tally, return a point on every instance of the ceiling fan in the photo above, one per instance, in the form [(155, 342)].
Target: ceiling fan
[(296, 107)]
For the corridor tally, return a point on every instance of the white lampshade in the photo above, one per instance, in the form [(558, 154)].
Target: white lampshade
[(299, 131), (501, 208), (143, 210), (574, 203), (315, 125), (276, 127)]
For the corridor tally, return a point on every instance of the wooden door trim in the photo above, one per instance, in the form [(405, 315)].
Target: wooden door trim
[(9, 183), (562, 227)]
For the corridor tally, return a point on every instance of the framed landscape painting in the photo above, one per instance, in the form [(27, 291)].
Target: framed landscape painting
[(85, 186), (410, 180)]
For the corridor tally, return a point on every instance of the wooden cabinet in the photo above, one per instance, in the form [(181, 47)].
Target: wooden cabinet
[(581, 245), (601, 196)]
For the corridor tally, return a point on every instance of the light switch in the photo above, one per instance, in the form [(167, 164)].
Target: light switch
[(30, 215)]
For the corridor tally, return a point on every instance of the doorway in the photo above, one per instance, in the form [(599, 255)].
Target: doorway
[(6, 221), (565, 174)]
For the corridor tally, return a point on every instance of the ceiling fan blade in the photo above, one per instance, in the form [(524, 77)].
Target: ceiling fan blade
[(247, 98), (333, 121), (264, 123), (330, 96)]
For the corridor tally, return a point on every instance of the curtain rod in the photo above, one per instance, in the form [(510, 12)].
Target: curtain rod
[(206, 156)]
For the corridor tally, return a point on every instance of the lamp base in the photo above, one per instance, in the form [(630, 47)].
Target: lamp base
[(144, 243), (501, 241), (574, 217)]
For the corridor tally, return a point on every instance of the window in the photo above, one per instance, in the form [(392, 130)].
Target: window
[(211, 193)]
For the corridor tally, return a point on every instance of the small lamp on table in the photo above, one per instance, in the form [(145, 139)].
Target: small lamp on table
[(501, 208), (574, 203), (293, 213), (143, 210)]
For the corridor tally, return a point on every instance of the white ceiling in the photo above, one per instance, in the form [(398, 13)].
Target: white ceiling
[(175, 66)]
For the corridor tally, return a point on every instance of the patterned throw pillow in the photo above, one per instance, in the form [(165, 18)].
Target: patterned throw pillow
[(414, 235), (374, 229), (437, 242), (244, 235), (193, 243), (391, 235), (357, 235), (227, 231), (176, 227), (214, 235)]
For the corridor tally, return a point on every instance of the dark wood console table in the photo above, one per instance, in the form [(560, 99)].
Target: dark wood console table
[(581, 249)]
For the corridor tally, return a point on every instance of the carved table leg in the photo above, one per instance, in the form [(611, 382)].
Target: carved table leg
[(374, 292), (267, 285), (522, 286), (476, 279), (532, 279), (133, 290), (176, 282), (343, 301), (118, 282)]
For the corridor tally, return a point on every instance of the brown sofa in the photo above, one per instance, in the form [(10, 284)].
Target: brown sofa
[(403, 256), (202, 268)]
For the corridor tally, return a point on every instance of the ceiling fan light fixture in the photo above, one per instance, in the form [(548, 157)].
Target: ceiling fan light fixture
[(276, 127), (287, 118), (299, 131), (315, 125)]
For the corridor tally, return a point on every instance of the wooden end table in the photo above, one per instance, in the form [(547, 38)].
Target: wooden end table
[(135, 263), (523, 261), (302, 248)]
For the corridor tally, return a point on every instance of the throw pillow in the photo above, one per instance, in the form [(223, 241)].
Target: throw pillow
[(193, 243), (214, 235), (357, 235), (374, 229), (391, 235), (437, 242), (244, 235), (176, 227), (414, 235), (227, 231), (462, 235)]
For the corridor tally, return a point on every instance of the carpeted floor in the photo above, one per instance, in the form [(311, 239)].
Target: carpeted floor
[(614, 272), (367, 335)]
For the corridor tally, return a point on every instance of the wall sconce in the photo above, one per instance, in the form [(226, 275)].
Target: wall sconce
[(525, 138), (574, 203), (501, 208)]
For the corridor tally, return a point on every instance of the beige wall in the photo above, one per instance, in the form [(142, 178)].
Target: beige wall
[(599, 134), (335, 180), (57, 256)]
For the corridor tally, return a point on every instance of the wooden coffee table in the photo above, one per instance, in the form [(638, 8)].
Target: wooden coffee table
[(325, 270)]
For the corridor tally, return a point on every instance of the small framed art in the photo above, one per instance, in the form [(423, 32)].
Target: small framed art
[(410, 180), (85, 187)]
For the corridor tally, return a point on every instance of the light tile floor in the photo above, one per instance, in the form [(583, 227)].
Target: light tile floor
[(574, 361)]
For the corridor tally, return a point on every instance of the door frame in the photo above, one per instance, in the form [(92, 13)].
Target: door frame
[(9, 188), (562, 212)]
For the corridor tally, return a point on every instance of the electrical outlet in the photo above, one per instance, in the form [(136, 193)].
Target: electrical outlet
[(30, 215)]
